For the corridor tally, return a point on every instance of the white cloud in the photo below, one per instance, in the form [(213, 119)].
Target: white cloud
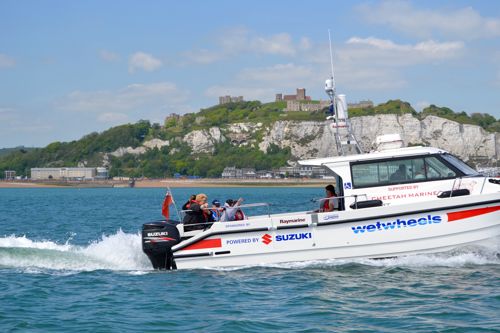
[(143, 99), (144, 61), (463, 23), (6, 61), (108, 56), (276, 44), (237, 41), (278, 73), (204, 56), (386, 51), (374, 64)]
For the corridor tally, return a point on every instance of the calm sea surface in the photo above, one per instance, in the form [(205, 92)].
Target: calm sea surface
[(71, 261)]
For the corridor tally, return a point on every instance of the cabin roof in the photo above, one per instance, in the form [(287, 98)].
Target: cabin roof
[(389, 153)]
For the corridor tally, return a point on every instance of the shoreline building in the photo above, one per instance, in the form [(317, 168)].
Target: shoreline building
[(69, 173), (10, 174), (298, 171)]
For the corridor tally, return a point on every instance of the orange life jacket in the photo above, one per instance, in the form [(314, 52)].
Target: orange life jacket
[(326, 204)]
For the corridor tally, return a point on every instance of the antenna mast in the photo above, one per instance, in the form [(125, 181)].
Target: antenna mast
[(338, 112), (331, 57), (331, 92)]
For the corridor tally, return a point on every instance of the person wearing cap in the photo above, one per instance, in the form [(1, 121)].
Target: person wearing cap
[(329, 203), (215, 211), (231, 211)]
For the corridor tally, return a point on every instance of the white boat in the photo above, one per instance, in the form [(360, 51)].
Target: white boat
[(450, 205), (392, 202)]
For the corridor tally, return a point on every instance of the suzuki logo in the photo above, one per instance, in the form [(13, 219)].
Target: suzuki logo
[(266, 239)]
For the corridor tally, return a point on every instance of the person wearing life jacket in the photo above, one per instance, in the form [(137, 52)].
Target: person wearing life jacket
[(188, 203), (239, 215), (232, 212), (215, 211), (197, 216), (330, 203)]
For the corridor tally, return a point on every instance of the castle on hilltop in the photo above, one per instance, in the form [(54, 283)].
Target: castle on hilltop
[(298, 102), (301, 102), (230, 99)]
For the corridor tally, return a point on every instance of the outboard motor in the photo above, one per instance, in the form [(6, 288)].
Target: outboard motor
[(157, 241)]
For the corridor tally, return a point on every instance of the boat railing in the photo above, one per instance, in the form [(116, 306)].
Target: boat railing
[(206, 225), (455, 186), (355, 196), (222, 209)]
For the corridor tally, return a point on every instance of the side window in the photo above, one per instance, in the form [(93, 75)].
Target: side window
[(370, 174), (398, 171), (435, 169)]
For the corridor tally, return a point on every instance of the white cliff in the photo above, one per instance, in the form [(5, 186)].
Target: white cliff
[(316, 139), (203, 141), (311, 139)]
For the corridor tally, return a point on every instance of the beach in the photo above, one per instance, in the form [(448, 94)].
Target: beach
[(171, 182)]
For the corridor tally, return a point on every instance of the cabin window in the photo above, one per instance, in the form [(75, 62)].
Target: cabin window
[(435, 169), (391, 172), (368, 174), (462, 166)]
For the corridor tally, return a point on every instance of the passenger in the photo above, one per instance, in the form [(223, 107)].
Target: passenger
[(188, 203), (431, 173), (216, 211), (198, 215), (232, 212), (420, 174), (330, 204), (400, 174), (426, 171)]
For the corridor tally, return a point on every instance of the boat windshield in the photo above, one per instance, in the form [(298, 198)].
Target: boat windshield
[(462, 166)]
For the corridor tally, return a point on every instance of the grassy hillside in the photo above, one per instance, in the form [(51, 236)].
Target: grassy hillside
[(178, 157)]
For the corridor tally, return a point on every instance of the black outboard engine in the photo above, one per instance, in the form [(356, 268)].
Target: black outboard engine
[(157, 241)]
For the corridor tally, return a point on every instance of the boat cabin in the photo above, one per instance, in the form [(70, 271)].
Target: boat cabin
[(397, 176)]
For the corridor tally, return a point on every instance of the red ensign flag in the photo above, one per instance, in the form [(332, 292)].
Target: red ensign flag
[(166, 204)]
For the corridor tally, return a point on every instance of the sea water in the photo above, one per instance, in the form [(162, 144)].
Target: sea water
[(71, 261)]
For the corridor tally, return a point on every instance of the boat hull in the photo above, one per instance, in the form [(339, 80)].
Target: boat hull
[(377, 232)]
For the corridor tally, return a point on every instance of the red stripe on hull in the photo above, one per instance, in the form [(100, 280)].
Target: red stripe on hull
[(205, 244), (465, 214)]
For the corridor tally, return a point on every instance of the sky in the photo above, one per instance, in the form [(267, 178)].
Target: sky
[(69, 68)]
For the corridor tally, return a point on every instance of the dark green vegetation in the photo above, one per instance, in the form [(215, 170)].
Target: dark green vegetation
[(7, 151), (178, 156)]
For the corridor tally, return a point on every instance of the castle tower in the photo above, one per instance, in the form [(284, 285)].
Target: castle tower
[(301, 94)]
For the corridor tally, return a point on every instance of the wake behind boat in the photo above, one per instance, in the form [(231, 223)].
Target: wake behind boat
[(392, 202)]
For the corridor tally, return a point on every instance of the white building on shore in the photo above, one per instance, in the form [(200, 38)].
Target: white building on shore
[(67, 173)]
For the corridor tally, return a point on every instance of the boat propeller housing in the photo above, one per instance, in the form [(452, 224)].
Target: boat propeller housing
[(157, 241)]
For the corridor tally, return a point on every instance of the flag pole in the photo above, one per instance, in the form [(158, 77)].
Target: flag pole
[(173, 201)]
